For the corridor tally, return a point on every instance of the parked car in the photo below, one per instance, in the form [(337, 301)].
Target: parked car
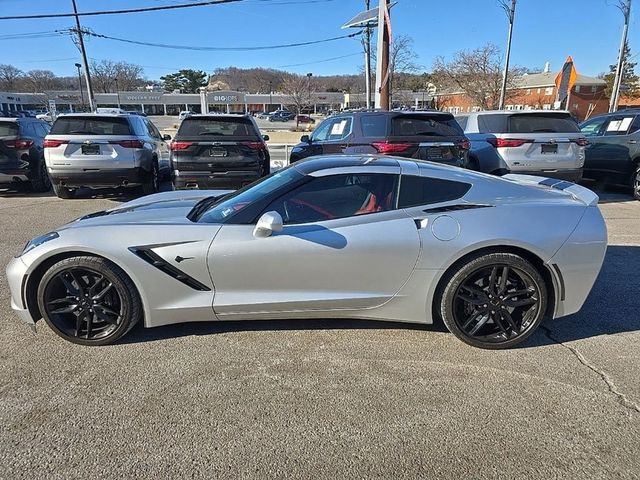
[(536, 142), (434, 136), (613, 154), (22, 154), (184, 114), (263, 115), (332, 237), (104, 151), (218, 151), (305, 119), (281, 116)]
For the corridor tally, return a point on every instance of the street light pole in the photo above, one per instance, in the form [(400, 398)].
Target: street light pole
[(367, 59), (84, 56), (309, 75), (79, 66), (270, 96), (511, 13), (625, 7)]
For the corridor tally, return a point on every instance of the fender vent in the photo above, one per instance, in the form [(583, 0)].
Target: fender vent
[(152, 258)]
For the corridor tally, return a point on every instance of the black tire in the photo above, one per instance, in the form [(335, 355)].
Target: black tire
[(88, 300), (41, 182), (153, 183), (483, 311), (635, 181), (63, 192)]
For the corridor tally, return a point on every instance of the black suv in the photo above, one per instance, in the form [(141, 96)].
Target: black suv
[(22, 154), (434, 136), (218, 151)]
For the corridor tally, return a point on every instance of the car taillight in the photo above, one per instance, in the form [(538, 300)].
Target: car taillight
[(129, 143), (54, 143), (507, 142), (180, 145), (386, 147), (582, 142), (464, 144), (20, 144), (254, 145)]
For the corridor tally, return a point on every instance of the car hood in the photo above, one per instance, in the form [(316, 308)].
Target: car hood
[(161, 208)]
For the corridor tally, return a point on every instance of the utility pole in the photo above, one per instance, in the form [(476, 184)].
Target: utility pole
[(510, 10), (79, 66), (84, 56), (367, 58), (625, 8), (382, 71)]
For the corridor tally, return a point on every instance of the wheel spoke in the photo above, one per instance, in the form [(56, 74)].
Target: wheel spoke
[(68, 309), (471, 319), (69, 284), (471, 300), (503, 280), (497, 319), (103, 292), (106, 314), (507, 316), (479, 325), (493, 279), (78, 324), (89, 319), (96, 283), (521, 302)]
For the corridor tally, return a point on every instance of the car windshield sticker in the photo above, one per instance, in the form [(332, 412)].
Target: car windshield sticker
[(338, 128), (619, 125)]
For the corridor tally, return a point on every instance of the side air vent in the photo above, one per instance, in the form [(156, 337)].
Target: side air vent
[(453, 208), (157, 261)]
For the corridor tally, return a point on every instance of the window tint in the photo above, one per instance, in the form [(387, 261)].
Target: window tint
[(333, 129), (462, 121), (416, 191), (492, 123), (425, 125), (337, 196), (618, 125), (68, 125), (8, 129), (216, 127), (542, 123), (592, 127), (374, 125), (635, 126)]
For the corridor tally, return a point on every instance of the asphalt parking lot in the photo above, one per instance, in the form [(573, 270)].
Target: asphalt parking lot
[(324, 399)]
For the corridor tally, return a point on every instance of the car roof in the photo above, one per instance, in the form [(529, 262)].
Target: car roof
[(512, 112), (217, 115), (110, 114), (11, 119)]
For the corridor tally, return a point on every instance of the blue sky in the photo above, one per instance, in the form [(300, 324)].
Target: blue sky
[(545, 30)]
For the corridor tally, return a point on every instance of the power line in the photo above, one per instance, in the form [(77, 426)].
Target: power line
[(115, 12), (221, 49), (319, 61)]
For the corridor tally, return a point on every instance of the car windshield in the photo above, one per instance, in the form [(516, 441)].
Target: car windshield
[(425, 125), (229, 205), (87, 125), (216, 127), (8, 129)]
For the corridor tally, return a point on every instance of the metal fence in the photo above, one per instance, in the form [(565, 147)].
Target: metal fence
[(279, 155)]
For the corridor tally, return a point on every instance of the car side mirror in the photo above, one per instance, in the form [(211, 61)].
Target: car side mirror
[(305, 139), (166, 137), (265, 138), (267, 224)]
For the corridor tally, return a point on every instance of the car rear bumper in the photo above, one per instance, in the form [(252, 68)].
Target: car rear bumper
[(571, 175), (100, 178), (15, 171), (206, 180)]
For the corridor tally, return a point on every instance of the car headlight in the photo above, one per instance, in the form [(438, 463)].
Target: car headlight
[(34, 242)]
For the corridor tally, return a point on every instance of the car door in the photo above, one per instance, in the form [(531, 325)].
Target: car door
[(608, 155), (343, 246)]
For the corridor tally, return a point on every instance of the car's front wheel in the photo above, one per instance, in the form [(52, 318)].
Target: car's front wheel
[(635, 181), (88, 300), (493, 301)]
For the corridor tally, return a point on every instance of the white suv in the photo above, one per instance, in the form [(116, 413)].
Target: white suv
[(535, 142), (105, 150)]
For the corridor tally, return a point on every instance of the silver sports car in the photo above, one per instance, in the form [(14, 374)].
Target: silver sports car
[(370, 237)]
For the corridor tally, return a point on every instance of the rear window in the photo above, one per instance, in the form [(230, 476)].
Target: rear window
[(416, 191), (216, 127), (492, 123), (8, 129), (425, 125), (91, 126), (542, 123), (462, 121)]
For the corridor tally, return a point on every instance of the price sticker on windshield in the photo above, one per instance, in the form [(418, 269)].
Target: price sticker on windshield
[(338, 128)]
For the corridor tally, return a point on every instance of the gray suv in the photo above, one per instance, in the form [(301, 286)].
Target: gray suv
[(613, 154), (104, 151), (534, 142)]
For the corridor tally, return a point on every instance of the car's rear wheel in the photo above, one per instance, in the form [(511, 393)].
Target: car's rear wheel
[(153, 183), (63, 192), (635, 181), (88, 300), (494, 301), (41, 182)]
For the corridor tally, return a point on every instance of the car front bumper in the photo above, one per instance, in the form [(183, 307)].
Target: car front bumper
[(17, 279), (102, 178), (206, 181)]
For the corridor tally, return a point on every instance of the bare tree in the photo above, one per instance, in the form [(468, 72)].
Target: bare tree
[(109, 76), (41, 80), (299, 89), (9, 77), (477, 74)]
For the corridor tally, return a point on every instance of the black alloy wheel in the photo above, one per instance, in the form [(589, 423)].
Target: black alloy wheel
[(88, 300), (495, 301)]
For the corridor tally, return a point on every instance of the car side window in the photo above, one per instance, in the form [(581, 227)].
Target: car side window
[(333, 129), (593, 127), (618, 125), (153, 131), (635, 126), (492, 123), (337, 196), (415, 191)]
